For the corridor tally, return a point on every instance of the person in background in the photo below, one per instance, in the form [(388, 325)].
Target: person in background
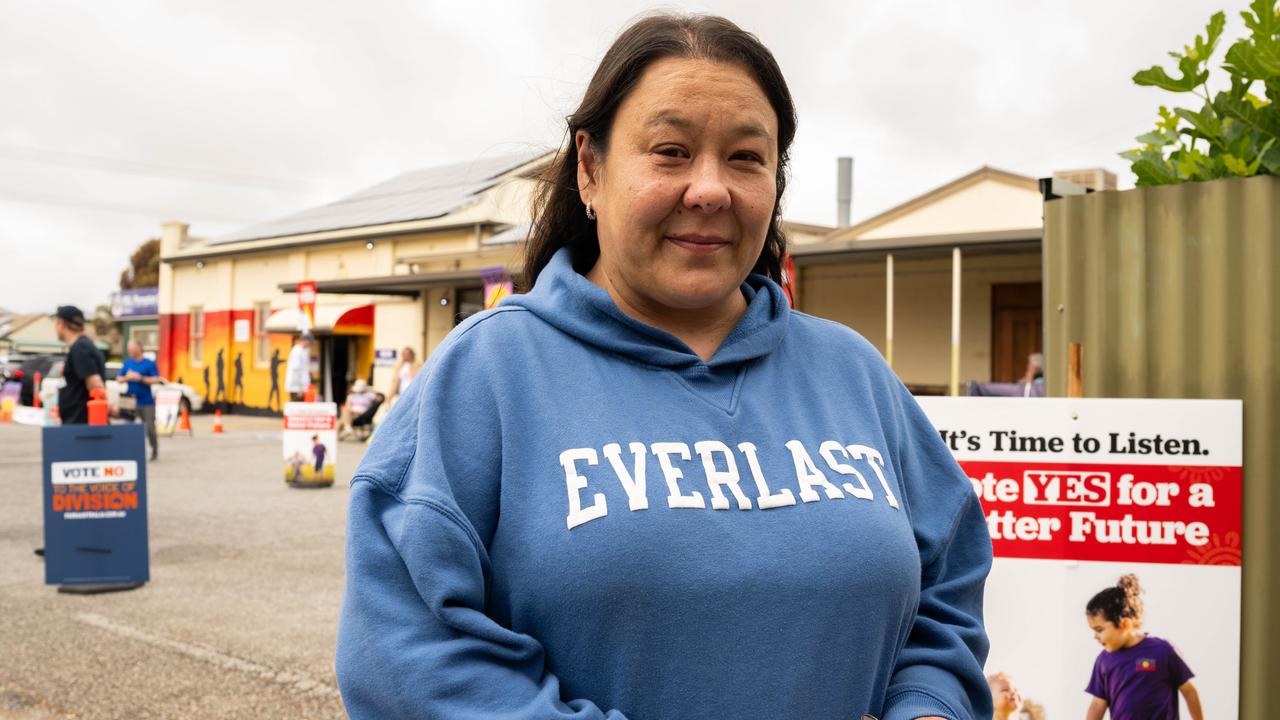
[(406, 369), (84, 368), (1035, 369), (297, 374), (358, 402), (141, 373), (1136, 676), (1005, 696), (82, 371)]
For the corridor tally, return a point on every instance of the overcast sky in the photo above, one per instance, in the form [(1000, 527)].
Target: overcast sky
[(120, 115)]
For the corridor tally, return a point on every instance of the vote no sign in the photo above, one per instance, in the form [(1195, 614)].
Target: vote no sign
[(95, 505)]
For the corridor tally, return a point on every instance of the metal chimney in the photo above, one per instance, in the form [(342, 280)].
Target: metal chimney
[(844, 190)]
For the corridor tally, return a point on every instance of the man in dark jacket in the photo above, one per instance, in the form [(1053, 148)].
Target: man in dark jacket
[(84, 368)]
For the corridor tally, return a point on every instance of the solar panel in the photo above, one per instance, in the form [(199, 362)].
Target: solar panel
[(417, 195)]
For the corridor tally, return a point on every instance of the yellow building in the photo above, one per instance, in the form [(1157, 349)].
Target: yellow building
[(971, 247), (396, 265)]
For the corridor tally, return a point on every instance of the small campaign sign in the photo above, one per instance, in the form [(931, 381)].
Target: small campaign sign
[(306, 305), (168, 409), (384, 357), (310, 443), (95, 505)]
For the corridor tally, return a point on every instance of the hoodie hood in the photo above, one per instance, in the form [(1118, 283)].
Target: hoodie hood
[(578, 307)]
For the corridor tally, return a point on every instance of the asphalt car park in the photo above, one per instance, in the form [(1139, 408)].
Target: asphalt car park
[(239, 619)]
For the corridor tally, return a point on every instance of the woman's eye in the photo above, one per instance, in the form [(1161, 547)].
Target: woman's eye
[(746, 155), (671, 151)]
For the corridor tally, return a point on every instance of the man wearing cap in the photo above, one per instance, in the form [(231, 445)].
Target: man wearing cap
[(83, 370), (297, 374)]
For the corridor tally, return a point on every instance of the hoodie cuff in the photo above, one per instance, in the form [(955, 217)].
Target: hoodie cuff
[(912, 703), (924, 690)]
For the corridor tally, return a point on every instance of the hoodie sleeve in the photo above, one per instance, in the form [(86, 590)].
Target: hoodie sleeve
[(414, 640), (939, 671)]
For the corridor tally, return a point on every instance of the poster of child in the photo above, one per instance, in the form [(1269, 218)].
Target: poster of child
[(318, 450), (1007, 702), (1082, 498), (1136, 676), (295, 464), (1033, 607), (310, 444)]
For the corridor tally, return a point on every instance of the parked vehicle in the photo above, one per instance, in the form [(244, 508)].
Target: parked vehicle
[(26, 374), (191, 400)]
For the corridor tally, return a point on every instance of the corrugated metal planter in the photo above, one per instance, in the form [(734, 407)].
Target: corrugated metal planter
[(1174, 292)]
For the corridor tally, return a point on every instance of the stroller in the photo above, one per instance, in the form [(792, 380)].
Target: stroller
[(362, 424)]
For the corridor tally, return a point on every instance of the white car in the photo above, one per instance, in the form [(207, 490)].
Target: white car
[(49, 386)]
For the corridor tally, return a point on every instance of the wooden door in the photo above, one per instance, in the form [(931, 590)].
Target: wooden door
[(1017, 329)]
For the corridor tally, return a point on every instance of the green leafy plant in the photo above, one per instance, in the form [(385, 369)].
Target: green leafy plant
[(1235, 133)]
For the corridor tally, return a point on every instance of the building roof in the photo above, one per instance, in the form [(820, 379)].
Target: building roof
[(808, 228), (986, 242), (10, 324), (933, 197), (418, 195), (514, 234)]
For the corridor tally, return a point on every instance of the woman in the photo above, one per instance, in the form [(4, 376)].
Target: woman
[(647, 488), (405, 370)]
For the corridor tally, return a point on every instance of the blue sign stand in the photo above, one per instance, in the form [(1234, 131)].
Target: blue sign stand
[(95, 508)]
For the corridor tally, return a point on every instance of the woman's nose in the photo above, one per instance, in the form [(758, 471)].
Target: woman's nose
[(707, 191)]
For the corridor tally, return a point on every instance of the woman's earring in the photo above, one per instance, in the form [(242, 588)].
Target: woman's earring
[(591, 213)]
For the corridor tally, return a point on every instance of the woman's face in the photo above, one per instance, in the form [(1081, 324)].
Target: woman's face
[(686, 190)]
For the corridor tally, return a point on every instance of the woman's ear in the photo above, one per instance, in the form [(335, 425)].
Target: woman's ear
[(588, 166)]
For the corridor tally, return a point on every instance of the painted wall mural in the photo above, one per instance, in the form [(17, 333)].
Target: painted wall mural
[(226, 373)]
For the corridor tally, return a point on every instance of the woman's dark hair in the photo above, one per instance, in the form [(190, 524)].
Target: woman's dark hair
[(1117, 602), (559, 218)]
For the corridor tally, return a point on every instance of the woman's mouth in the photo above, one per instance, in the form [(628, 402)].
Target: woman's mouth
[(699, 244)]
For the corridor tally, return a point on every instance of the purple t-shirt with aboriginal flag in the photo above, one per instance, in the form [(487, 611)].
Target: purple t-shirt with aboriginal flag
[(1140, 682)]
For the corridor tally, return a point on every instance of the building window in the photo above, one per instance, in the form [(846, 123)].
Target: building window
[(196, 335), (470, 301), (261, 340), (148, 336)]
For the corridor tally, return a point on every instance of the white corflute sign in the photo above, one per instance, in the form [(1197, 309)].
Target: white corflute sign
[(1080, 492)]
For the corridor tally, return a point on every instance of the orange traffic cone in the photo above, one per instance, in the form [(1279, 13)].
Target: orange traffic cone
[(184, 423), (217, 422), (35, 392)]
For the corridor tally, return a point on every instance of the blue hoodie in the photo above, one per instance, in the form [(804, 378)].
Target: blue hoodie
[(574, 516)]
